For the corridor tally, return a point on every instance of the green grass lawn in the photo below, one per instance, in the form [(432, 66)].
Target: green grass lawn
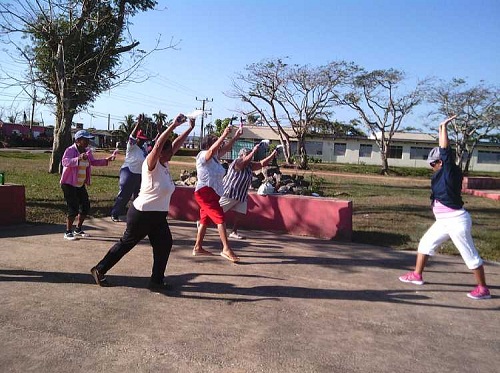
[(388, 211)]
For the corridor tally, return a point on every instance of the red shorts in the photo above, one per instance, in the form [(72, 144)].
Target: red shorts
[(210, 210)]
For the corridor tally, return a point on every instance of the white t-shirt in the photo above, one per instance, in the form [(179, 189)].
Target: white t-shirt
[(134, 157), (157, 188), (210, 173)]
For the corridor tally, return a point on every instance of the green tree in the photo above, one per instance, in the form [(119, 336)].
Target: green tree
[(252, 119), (221, 124), (209, 128), (478, 114), (78, 49), (125, 128), (323, 126), (160, 118)]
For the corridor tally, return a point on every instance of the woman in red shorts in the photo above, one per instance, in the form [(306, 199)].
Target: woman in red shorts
[(209, 189)]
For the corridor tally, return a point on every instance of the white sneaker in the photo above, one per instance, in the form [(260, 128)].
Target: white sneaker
[(69, 236), (236, 236)]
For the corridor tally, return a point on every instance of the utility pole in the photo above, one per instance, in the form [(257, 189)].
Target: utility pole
[(203, 114)]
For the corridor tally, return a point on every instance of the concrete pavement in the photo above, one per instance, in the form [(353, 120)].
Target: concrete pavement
[(293, 305)]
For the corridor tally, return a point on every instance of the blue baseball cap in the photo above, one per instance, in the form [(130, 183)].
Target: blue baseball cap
[(83, 134)]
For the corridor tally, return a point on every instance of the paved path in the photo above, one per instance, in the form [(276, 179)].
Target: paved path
[(293, 305)]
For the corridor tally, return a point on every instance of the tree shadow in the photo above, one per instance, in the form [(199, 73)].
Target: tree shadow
[(387, 238), (31, 229)]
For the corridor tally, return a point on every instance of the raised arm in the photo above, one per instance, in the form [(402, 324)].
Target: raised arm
[(137, 126), (443, 132), (214, 149), (227, 147), (264, 162), (176, 145), (242, 163), (155, 153), (159, 126)]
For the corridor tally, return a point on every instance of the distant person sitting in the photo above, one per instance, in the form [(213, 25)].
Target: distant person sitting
[(77, 161), (236, 184), (130, 172)]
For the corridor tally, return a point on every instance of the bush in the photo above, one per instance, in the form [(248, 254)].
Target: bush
[(187, 152)]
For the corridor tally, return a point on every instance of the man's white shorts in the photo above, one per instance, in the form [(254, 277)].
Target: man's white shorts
[(458, 229), (233, 204)]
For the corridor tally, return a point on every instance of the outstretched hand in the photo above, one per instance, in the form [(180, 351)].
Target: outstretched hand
[(179, 119), (227, 130), (447, 120)]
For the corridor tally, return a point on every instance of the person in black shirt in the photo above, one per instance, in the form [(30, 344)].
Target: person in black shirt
[(452, 220)]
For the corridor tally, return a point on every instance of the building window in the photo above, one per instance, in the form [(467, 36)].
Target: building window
[(339, 149), (488, 157), (418, 152), (365, 150), (314, 147), (395, 152)]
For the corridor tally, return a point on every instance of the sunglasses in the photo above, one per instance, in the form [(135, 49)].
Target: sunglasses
[(433, 163)]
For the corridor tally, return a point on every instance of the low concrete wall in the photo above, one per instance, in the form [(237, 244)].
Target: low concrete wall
[(480, 183), (327, 218), (12, 204), (487, 187)]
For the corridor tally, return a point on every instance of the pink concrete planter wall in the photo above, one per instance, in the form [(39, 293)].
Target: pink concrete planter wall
[(487, 187), (12, 204), (481, 183), (327, 218)]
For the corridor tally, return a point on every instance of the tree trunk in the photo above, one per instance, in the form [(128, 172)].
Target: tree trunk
[(468, 156), (287, 150), (64, 115), (302, 153), (385, 163), (62, 139)]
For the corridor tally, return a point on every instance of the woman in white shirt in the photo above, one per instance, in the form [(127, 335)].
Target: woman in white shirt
[(209, 189), (147, 216)]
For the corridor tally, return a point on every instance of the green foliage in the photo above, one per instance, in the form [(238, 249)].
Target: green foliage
[(311, 159), (74, 52), (316, 183), (187, 153), (335, 128), (220, 125), (127, 126)]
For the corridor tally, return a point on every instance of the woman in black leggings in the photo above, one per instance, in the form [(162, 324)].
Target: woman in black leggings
[(148, 214)]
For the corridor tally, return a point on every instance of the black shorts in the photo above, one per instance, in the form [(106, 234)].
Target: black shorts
[(77, 200)]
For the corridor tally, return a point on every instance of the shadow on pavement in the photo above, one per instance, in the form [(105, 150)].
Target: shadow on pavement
[(183, 286)]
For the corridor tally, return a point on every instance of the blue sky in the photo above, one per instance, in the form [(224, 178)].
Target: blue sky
[(218, 38)]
